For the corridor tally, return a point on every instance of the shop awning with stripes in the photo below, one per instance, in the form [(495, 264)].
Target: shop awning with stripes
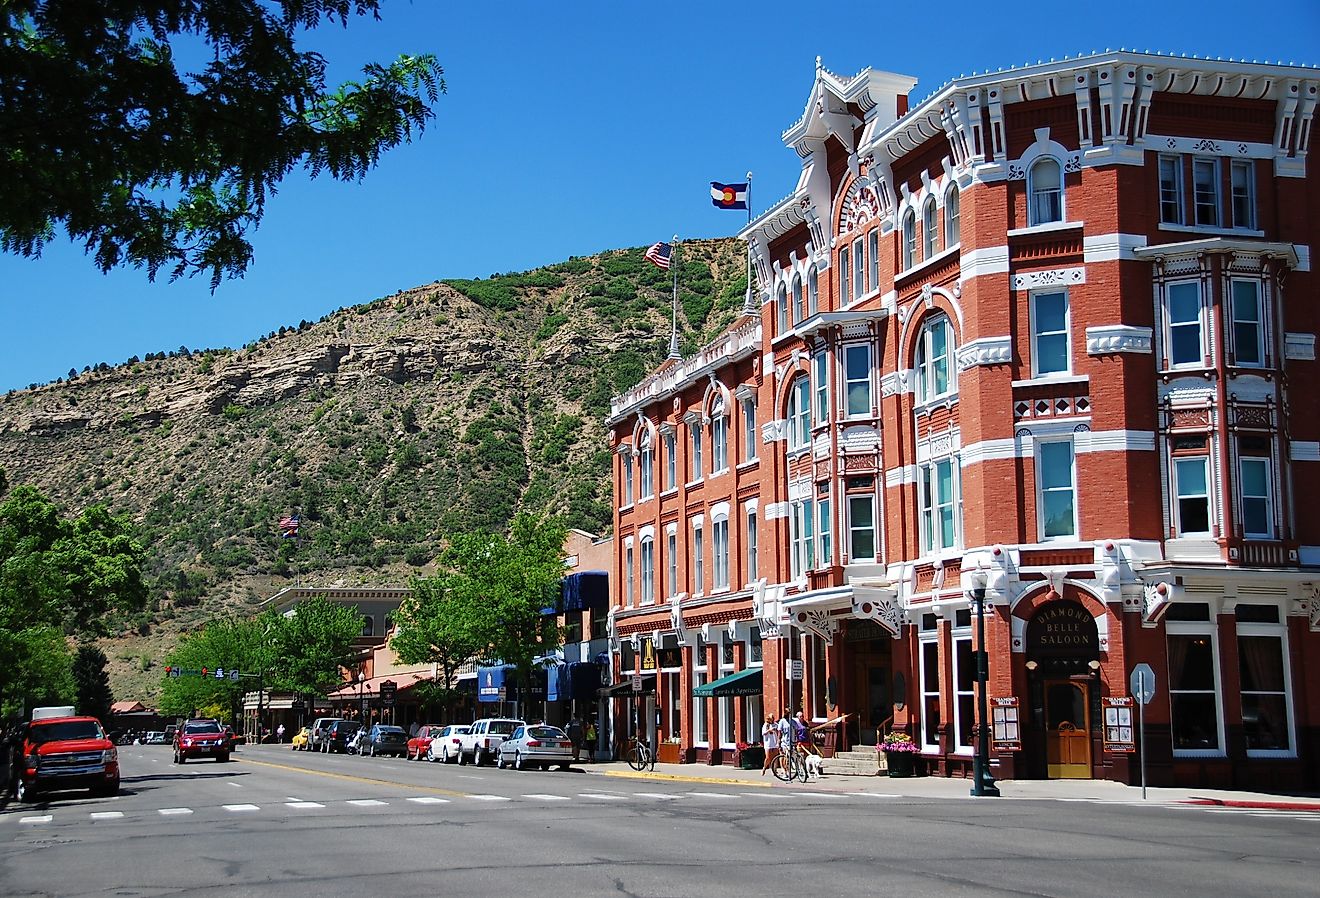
[(744, 682)]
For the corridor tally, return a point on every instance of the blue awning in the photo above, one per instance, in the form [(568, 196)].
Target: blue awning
[(556, 682), (586, 589), (584, 680)]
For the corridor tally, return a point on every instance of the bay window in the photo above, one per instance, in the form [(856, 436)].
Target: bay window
[(1049, 333), (824, 526), (821, 383), (1255, 488), (1248, 333), (1182, 309), (1191, 481), (857, 371), (861, 529), (802, 547)]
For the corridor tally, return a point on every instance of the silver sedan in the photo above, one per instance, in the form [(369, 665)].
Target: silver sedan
[(535, 745)]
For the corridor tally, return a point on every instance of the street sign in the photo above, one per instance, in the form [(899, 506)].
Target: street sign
[(1142, 683), (795, 669), (387, 690), (637, 683)]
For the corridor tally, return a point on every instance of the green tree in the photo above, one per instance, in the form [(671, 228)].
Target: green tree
[(92, 683), (437, 625), (232, 644), (311, 646), (157, 160), (37, 669)]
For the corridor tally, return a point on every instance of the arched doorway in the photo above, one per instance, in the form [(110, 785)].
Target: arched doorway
[(1063, 650)]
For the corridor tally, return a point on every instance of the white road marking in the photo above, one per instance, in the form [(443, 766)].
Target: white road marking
[(291, 798), (240, 807), (712, 794), (43, 818), (237, 785), (303, 805), (107, 815), (600, 796), (367, 803), (539, 796), (464, 776), (429, 799), (488, 797), (876, 794), (818, 794), (167, 812), (663, 795)]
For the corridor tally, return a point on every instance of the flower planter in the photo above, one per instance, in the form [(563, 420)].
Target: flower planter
[(751, 758), (669, 753), (900, 763)]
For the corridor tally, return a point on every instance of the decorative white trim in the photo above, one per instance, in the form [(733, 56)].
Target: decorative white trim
[(1299, 347), (1052, 277), (776, 510), (894, 383), (1108, 339), (1304, 450), (1085, 441), (1110, 247), (1115, 441), (1237, 149), (896, 477), (774, 431), (1045, 228), (989, 450), (982, 261), (985, 351)]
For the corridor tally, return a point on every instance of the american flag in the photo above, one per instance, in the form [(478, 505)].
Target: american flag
[(658, 255), (289, 526)]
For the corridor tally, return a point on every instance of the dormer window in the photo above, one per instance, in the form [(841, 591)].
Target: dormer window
[(1045, 187)]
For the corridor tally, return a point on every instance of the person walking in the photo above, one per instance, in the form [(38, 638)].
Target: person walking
[(591, 742), (769, 740), (279, 734), (574, 732)]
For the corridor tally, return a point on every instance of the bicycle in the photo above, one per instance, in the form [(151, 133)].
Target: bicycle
[(790, 765), (640, 755)]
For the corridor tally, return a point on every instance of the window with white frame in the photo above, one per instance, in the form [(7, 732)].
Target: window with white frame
[(930, 684), (1184, 316), (1267, 716), (719, 443), (627, 475), (750, 434), (1196, 721), (799, 414), (817, 697), (781, 307), (799, 299), (672, 679), (857, 371), (719, 547), (671, 557), (1248, 329), (824, 530), (802, 552), (930, 229), (671, 460), (821, 384), (1056, 485), (952, 218), (813, 292), (728, 735), (964, 683), (873, 257), (753, 718), (1242, 175), (1171, 190), (934, 360), (628, 574), (1045, 189), (1205, 191), (1049, 333), (859, 268), (648, 570), (1191, 484), (647, 467), (1255, 487), (939, 505), (698, 558), (909, 239), (845, 280), (700, 720), (694, 430), (861, 528), (752, 559)]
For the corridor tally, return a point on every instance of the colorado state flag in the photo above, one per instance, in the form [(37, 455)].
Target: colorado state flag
[(728, 196)]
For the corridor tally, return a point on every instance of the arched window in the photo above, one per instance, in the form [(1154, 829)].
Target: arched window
[(781, 305), (930, 230), (1045, 187), (799, 299), (952, 236), (368, 625), (909, 239), (813, 290), (934, 361), (799, 414)]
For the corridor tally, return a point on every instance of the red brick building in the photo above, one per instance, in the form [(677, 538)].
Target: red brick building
[(1044, 333)]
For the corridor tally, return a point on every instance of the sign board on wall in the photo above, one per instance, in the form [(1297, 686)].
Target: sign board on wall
[(648, 654), (1006, 733), (1120, 735), (795, 669)]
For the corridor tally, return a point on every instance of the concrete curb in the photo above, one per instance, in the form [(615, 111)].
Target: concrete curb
[(1254, 805), (674, 777)]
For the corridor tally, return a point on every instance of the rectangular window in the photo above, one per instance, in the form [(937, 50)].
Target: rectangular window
[(909, 240), (752, 560), (750, 435), (701, 728), (1248, 335), (752, 719), (698, 560), (964, 678), (1049, 332), (1257, 501), (861, 528), (930, 695), (1186, 347), (628, 575), (648, 571), (845, 280), (859, 269), (1191, 482), (673, 705), (1193, 698), (1171, 190), (719, 534), (929, 229), (1244, 194), (671, 551), (1205, 191), (857, 370), (1057, 489), (1262, 671), (802, 550), (938, 506), (824, 526), (671, 461), (873, 256), (822, 387), (697, 466), (799, 415), (816, 707), (719, 444), (648, 473), (627, 480)]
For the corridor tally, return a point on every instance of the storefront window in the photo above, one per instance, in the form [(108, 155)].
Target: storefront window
[(701, 726), (1262, 669), (964, 670), (818, 681), (1194, 704), (930, 695), (673, 716)]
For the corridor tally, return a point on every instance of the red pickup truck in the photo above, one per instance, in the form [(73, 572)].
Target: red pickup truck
[(66, 752)]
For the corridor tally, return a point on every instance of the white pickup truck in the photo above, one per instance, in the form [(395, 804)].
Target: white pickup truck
[(482, 742)]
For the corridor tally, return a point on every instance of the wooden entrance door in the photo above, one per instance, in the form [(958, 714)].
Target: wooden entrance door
[(1067, 730)]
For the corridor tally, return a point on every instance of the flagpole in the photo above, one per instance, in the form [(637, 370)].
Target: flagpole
[(673, 314), (749, 307)]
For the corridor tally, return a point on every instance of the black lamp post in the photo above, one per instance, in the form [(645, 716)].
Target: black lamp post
[(983, 784)]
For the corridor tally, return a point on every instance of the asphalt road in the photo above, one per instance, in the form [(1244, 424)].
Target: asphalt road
[(274, 822)]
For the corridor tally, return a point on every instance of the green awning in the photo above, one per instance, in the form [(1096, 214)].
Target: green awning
[(744, 682)]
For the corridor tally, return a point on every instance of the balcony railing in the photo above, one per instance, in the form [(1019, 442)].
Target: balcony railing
[(732, 344), (1263, 552)]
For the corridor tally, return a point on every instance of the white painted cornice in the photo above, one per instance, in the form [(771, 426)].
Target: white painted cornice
[(1114, 338)]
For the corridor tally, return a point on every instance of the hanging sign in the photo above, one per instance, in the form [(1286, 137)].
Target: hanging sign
[(1120, 735), (648, 654), (1006, 734)]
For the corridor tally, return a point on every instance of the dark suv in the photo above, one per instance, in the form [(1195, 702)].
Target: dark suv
[(337, 736), (200, 739)]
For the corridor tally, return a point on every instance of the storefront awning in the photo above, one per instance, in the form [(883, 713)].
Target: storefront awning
[(623, 689), (744, 682), (586, 589)]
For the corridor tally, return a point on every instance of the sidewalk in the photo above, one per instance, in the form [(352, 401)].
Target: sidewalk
[(936, 787)]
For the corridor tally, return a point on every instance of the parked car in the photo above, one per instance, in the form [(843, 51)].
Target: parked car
[(316, 733), (419, 746), (300, 739), (481, 743), (535, 746), (200, 738), (338, 734), (155, 737), (383, 739), (64, 751), (444, 745)]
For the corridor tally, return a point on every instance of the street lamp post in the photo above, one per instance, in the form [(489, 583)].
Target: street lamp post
[(983, 784)]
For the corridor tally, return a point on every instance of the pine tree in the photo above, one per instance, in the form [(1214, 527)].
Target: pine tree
[(93, 683)]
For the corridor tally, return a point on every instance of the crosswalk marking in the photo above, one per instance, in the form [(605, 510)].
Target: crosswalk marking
[(600, 796), (429, 799), (40, 818), (240, 807), (876, 794), (366, 803), (539, 796), (712, 794), (303, 805), (488, 798), (107, 815), (169, 812), (818, 794), (664, 795)]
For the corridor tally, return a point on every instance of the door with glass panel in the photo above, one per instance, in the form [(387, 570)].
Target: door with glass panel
[(1067, 730)]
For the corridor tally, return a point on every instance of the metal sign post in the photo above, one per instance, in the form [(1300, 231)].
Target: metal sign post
[(1142, 683)]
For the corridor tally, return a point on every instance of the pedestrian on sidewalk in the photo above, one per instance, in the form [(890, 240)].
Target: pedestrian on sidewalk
[(591, 742), (279, 734), (770, 740), (574, 732)]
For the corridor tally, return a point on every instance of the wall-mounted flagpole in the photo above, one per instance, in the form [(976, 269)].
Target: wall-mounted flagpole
[(673, 326), (749, 306)]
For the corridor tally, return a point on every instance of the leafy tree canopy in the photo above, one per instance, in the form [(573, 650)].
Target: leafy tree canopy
[(109, 127), (312, 645), (36, 670)]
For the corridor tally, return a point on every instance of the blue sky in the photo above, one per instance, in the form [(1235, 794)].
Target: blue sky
[(569, 129)]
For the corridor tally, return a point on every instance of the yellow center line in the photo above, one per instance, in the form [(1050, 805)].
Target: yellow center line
[(356, 779)]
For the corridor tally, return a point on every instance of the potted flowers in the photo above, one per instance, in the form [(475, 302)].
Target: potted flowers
[(750, 757), (900, 753)]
